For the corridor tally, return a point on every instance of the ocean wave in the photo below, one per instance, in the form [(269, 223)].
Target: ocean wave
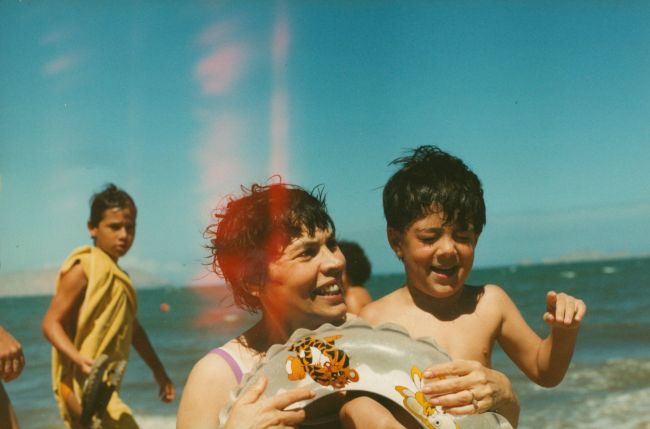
[(610, 393), (621, 410), (155, 422), (614, 374)]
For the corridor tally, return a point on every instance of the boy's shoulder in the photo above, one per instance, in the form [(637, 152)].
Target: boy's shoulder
[(494, 291), (491, 296), (490, 289), (379, 309)]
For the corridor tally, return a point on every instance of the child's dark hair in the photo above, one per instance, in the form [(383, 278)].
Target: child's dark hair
[(109, 198), (252, 230), (429, 180), (358, 267)]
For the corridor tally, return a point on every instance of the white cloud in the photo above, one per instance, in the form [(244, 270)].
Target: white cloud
[(61, 64), (219, 71)]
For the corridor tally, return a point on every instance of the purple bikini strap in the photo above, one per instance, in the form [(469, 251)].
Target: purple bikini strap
[(231, 362)]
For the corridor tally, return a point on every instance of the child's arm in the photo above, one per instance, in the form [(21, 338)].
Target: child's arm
[(63, 312), (144, 348), (544, 361)]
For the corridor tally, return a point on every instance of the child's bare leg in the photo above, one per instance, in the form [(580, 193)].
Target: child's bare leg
[(72, 404), (363, 411), (7, 416)]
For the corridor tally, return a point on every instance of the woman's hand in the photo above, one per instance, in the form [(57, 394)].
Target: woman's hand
[(467, 387), (252, 412), (460, 387)]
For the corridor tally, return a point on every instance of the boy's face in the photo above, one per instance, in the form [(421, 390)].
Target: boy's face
[(304, 285), (115, 232), (437, 257)]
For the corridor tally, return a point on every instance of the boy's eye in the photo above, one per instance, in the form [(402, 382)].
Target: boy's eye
[(428, 239), (464, 237)]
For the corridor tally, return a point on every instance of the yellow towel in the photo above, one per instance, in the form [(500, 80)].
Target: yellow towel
[(104, 325)]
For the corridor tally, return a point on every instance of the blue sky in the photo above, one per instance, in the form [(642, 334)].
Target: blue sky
[(181, 102)]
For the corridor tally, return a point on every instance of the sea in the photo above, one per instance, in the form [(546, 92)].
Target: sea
[(607, 385)]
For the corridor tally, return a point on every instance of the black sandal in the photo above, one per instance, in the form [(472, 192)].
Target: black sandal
[(105, 376)]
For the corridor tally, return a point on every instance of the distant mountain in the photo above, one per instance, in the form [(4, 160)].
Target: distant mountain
[(41, 282), (586, 256)]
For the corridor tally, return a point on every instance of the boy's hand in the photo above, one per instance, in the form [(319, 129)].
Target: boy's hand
[(167, 391), (85, 363), (564, 311)]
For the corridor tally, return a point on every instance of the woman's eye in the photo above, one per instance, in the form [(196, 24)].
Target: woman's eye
[(332, 245), (307, 253)]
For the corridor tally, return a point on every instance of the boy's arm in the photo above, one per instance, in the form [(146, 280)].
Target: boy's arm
[(144, 348), (544, 361), (64, 310)]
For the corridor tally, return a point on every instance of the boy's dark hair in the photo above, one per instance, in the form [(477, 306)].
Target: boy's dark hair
[(358, 267), (109, 198), (428, 180), (252, 230)]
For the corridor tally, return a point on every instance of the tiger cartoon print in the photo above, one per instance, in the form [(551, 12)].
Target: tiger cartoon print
[(325, 364)]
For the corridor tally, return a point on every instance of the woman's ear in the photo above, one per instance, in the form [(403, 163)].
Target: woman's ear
[(254, 289), (395, 241)]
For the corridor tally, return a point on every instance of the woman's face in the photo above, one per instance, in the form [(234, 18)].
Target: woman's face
[(304, 285)]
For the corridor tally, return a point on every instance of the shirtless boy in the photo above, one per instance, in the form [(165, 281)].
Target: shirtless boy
[(435, 213), (93, 312)]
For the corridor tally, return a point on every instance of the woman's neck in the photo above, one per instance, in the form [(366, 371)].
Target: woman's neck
[(264, 334), (269, 331)]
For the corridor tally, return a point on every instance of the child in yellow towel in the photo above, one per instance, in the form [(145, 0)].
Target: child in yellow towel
[(93, 313)]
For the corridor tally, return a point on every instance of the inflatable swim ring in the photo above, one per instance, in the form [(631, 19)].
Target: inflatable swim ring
[(355, 357)]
